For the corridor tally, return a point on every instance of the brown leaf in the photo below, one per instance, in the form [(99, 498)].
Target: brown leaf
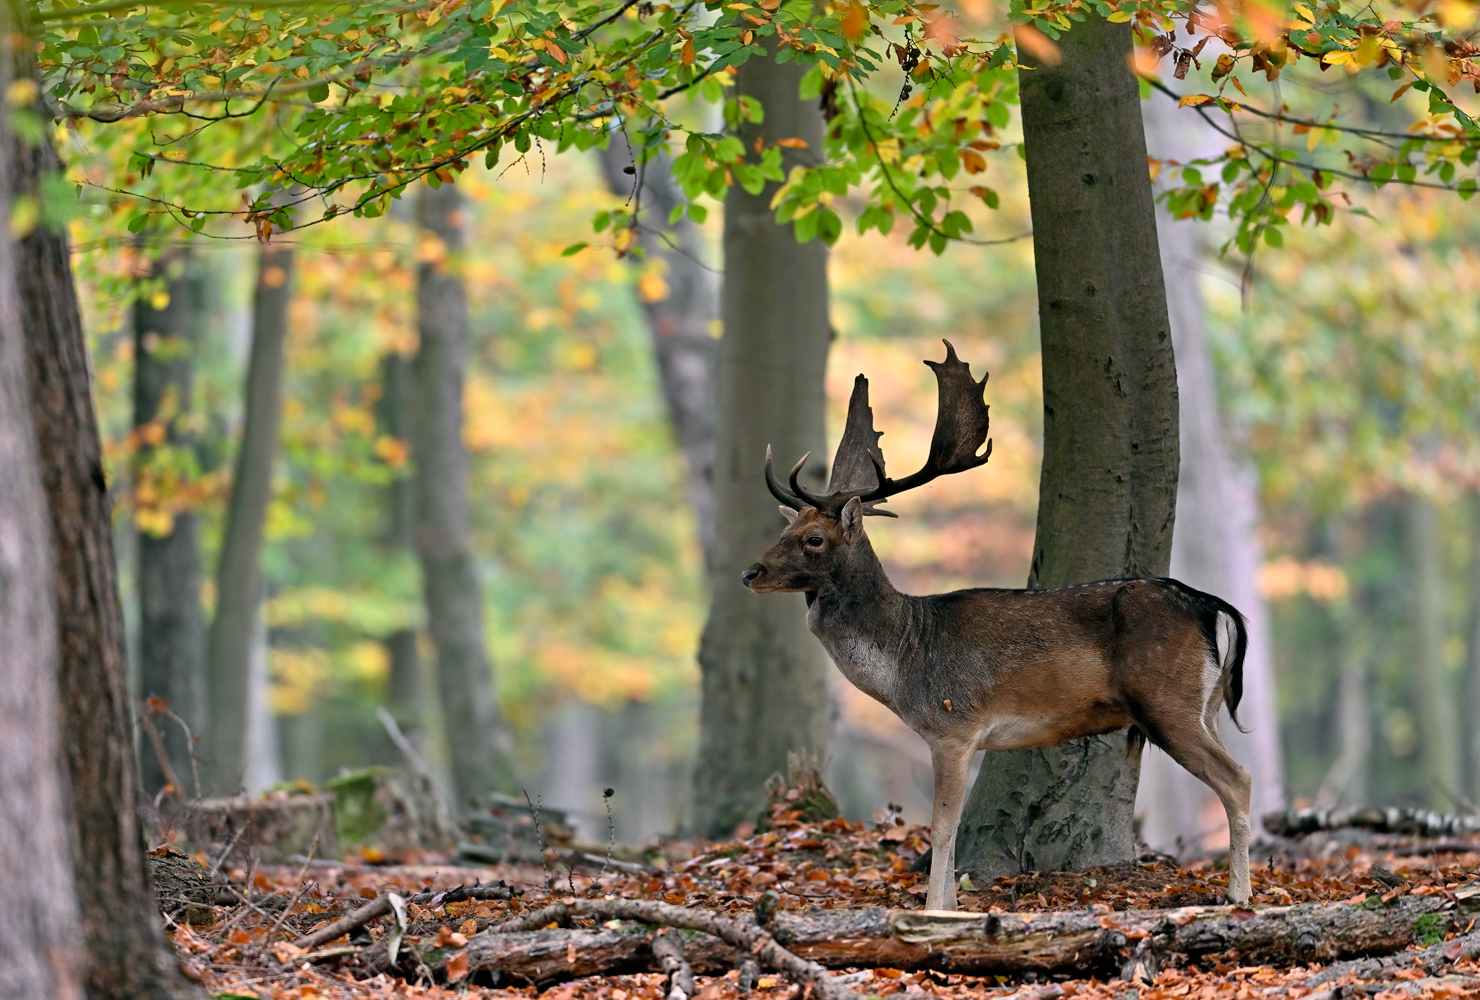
[(457, 966)]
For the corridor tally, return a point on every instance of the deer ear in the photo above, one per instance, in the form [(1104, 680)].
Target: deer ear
[(851, 519), (790, 515)]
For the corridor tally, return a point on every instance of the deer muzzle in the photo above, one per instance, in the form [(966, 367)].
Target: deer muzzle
[(754, 573)]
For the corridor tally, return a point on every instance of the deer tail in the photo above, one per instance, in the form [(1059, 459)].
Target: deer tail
[(1232, 657)]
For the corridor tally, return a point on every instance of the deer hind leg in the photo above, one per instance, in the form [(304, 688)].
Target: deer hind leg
[(952, 765), (1197, 746)]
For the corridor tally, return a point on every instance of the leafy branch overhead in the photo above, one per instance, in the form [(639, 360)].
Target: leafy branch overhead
[(215, 106)]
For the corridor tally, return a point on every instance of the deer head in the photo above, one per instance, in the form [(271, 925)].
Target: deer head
[(824, 531)]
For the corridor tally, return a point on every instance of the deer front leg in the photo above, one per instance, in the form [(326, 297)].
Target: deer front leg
[(952, 764)]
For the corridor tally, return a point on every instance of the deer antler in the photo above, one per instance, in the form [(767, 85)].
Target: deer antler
[(961, 426)]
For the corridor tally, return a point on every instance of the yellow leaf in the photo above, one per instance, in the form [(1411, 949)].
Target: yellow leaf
[(1193, 100), (1338, 58), (1119, 17)]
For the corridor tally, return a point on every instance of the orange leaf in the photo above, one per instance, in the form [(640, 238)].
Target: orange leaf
[(686, 54), (854, 22), (457, 966), (792, 143), (974, 164)]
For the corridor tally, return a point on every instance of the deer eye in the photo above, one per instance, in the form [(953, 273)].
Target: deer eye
[(815, 541)]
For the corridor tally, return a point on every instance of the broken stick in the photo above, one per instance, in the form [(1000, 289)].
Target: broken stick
[(668, 950)]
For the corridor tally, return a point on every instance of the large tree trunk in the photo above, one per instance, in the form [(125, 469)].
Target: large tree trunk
[(1108, 489), (765, 690), (127, 958), (1433, 695), (239, 572), (40, 935), (171, 621), (454, 599), (1216, 545), (680, 310)]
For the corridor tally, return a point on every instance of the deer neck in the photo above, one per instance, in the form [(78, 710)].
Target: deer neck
[(861, 619)]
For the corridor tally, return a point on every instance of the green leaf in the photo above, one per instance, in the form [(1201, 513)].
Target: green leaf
[(318, 93), (574, 249), (1274, 237), (138, 222)]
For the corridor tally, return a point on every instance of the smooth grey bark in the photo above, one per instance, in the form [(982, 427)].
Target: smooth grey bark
[(1216, 545), (764, 676), (264, 757), (127, 958), (172, 636), (1433, 695), (1108, 489), (239, 579), (1347, 780), (680, 321), (40, 928), (404, 687), (1472, 666), (393, 411), (454, 599)]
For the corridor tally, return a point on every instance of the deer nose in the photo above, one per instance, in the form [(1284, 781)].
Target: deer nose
[(753, 574)]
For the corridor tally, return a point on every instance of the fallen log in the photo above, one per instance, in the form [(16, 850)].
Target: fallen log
[(1384, 967), (1080, 941), (1422, 822)]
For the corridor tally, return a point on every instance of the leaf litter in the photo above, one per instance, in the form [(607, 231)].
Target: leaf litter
[(247, 951)]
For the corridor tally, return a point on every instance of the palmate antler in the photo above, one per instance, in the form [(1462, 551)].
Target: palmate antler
[(961, 426)]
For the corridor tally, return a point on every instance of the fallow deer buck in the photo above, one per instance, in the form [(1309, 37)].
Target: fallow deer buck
[(988, 669)]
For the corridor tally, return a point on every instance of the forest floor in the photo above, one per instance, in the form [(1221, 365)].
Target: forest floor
[(247, 951)]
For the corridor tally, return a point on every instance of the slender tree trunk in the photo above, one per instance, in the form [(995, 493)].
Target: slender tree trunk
[(393, 411), (126, 955), (454, 598), (1108, 490), (40, 933), (765, 679), (1347, 780), (1433, 695), (680, 312), (171, 622), (239, 573), (1216, 546), (1472, 673)]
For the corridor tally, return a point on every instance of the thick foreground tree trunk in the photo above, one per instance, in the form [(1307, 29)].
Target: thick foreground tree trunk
[(40, 933), (127, 958), (681, 303), (1433, 694), (454, 600), (1108, 490), (1216, 545), (171, 621), (239, 573), (764, 689), (1079, 941)]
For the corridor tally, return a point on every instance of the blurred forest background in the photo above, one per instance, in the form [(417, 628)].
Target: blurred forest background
[(1341, 379)]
